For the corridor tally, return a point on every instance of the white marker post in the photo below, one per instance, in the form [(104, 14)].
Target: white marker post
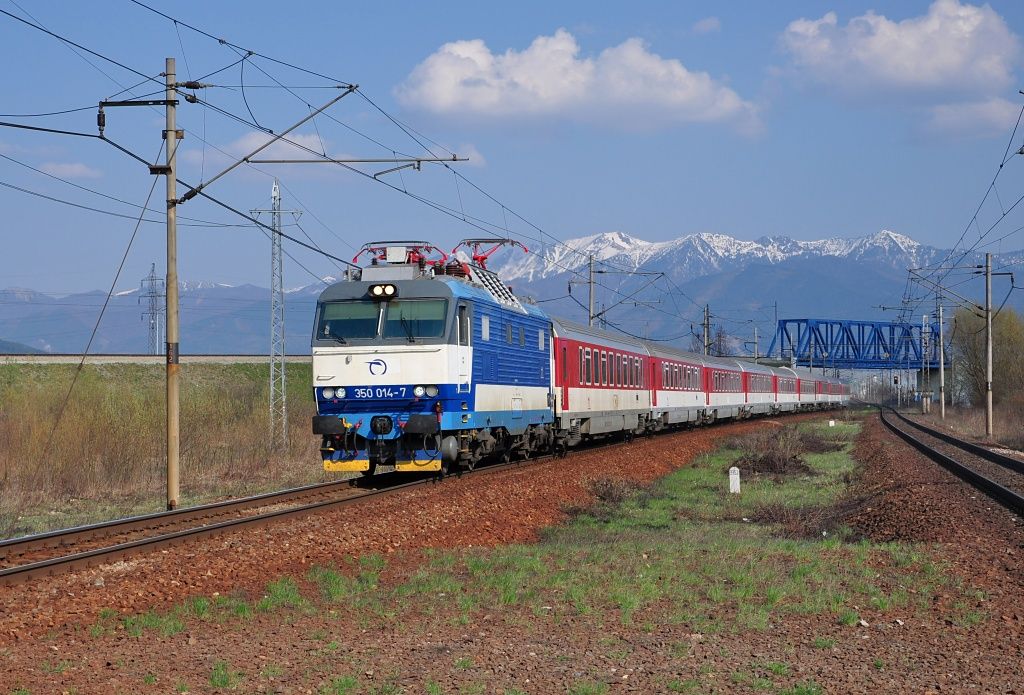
[(734, 480), (831, 423)]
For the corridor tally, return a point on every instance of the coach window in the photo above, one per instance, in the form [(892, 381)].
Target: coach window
[(565, 366), (579, 373), (604, 368), (589, 364), (463, 324), (485, 328)]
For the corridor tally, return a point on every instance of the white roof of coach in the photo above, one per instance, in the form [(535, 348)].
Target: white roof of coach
[(589, 334)]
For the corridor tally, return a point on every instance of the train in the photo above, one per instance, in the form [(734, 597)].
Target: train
[(426, 361)]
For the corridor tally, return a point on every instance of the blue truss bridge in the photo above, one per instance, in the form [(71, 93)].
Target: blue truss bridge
[(840, 344)]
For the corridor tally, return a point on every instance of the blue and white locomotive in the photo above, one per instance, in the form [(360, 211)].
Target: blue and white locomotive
[(417, 356), (424, 363)]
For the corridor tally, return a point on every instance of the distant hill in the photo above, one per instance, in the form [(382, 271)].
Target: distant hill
[(744, 282), (8, 347)]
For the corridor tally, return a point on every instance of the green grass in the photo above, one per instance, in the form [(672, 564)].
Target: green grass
[(588, 688), (223, 676), (824, 642), (166, 624), (341, 685), (282, 593)]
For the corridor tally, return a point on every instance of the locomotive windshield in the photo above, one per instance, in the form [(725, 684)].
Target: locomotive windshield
[(343, 320), (403, 318), (415, 318)]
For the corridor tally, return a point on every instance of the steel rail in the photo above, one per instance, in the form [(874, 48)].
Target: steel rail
[(22, 573), (1008, 498), (54, 539)]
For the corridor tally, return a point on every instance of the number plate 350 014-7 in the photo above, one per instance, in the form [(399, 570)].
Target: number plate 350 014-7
[(382, 392)]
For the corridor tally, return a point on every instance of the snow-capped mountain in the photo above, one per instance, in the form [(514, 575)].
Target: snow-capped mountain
[(697, 255), (746, 284)]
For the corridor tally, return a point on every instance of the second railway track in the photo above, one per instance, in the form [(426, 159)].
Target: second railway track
[(997, 475)]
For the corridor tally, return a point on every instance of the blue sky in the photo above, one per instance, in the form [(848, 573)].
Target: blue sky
[(657, 119)]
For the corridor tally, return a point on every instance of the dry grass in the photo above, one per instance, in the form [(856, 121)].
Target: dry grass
[(1007, 420), (771, 451), (107, 455)]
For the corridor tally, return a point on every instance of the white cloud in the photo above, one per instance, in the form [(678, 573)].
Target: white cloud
[(253, 139), (624, 86), (708, 25), (280, 149), (954, 47), (476, 158), (989, 117), (70, 170)]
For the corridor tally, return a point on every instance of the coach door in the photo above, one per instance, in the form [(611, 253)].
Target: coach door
[(464, 349)]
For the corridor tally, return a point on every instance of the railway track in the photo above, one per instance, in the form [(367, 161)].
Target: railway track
[(32, 557), (998, 476), (46, 554)]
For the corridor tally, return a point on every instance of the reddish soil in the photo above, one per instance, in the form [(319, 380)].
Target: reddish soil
[(46, 646)]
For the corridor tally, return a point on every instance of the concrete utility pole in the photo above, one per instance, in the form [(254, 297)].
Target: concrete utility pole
[(942, 367), (988, 345), (173, 367), (707, 329), (925, 384)]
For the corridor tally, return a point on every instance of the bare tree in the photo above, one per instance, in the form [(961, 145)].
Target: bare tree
[(968, 345), (720, 342)]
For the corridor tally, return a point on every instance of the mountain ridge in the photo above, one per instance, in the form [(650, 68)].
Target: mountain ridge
[(744, 282)]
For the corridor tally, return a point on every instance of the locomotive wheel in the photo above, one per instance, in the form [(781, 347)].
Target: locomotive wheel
[(369, 471)]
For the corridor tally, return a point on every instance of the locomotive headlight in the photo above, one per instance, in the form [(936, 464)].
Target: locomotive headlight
[(327, 393), (419, 392), (383, 291), (431, 391), (340, 392)]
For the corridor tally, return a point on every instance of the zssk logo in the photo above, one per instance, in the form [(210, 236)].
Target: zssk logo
[(377, 367)]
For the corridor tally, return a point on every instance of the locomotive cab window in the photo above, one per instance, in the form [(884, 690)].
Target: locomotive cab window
[(415, 318), (463, 325), (344, 320)]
